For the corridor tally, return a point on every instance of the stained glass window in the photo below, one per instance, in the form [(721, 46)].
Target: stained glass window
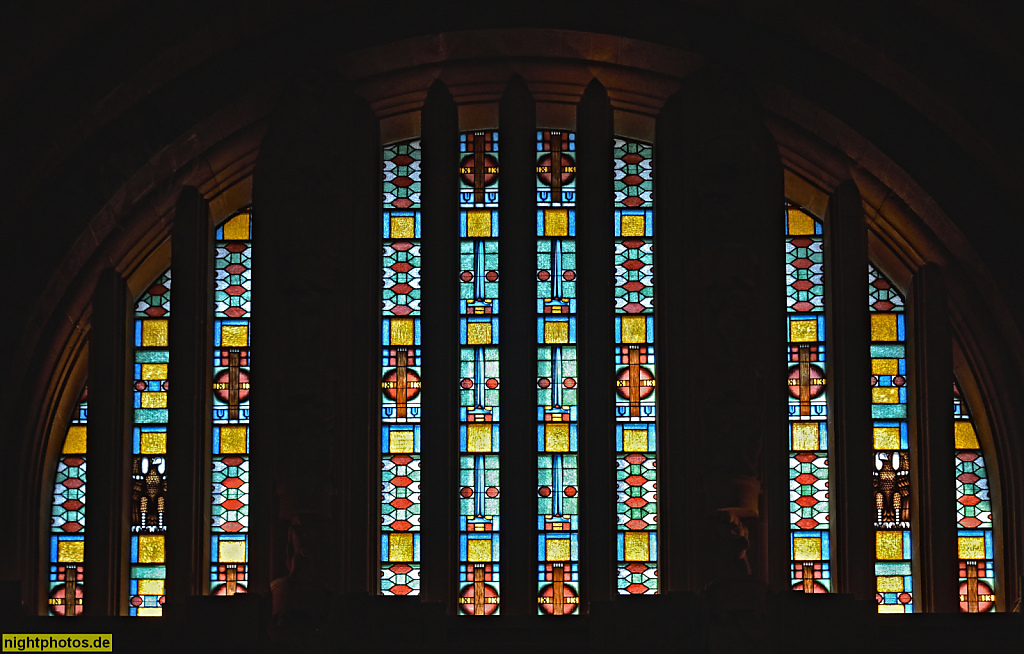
[(975, 549), (67, 519), (400, 371), (229, 529), (636, 445), (148, 481), (891, 478), (810, 557), (479, 380), (558, 483)]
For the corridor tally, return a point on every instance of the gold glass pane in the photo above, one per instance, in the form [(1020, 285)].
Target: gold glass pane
[(634, 329), (403, 226), (634, 440), (400, 547), (806, 549), (889, 545), (234, 335), (964, 435), (151, 549), (557, 549), (885, 395), (403, 331), (478, 333), (889, 584), (634, 225), (237, 229), (803, 331), (231, 551), (800, 223), (637, 546), (886, 438), (556, 222), (232, 439), (151, 586), (885, 366), (478, 224), (556, 437), (971, 547), (805, 436), (74, 442), (154, 333), (153, 442), (556, 332), (478, 551), (884, 327), (478, 437), (71, 551), (400, 441), (154, 400)]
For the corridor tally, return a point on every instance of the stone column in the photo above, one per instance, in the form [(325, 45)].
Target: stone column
[(595, 266), (312, 207), (105, 568), (517, 119), (850, 451), (931, 427), (189, 385), (439, 263)]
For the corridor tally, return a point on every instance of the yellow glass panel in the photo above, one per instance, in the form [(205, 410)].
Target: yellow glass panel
[(634, 225), (154, 400), (478, 224), (885, 395), (556, 222), (803, 331), (478, 333), (557, 549), (403, 226), (889, 584), (71, 551), (232, 439), (637, 546), (234, 335), (149, 611), (806, 549), (154, 333), (400, 547), (478, 551), (237, 229), (478, 437), (971, 547), (886, 438), (151, 586), (556, 437), (403, 331), (634, 440), (964, 435), (891, 608), (634, 329), (151, 549), (805, 435), (231, 551), (800, 223), (153, 442), (74, 442), (889, 545), (883, 327), (154, 371), (885, 366), (400, 441), (556, 332)]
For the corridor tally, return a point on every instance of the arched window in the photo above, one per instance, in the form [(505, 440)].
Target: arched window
[(621, 481)]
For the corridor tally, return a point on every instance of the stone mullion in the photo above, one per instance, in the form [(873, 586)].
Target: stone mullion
[(594, 224), (850, 451), (733, 201), (517, 122), (439, 264), (109, 423), (934, 511), (189, 391), (676, 488)]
